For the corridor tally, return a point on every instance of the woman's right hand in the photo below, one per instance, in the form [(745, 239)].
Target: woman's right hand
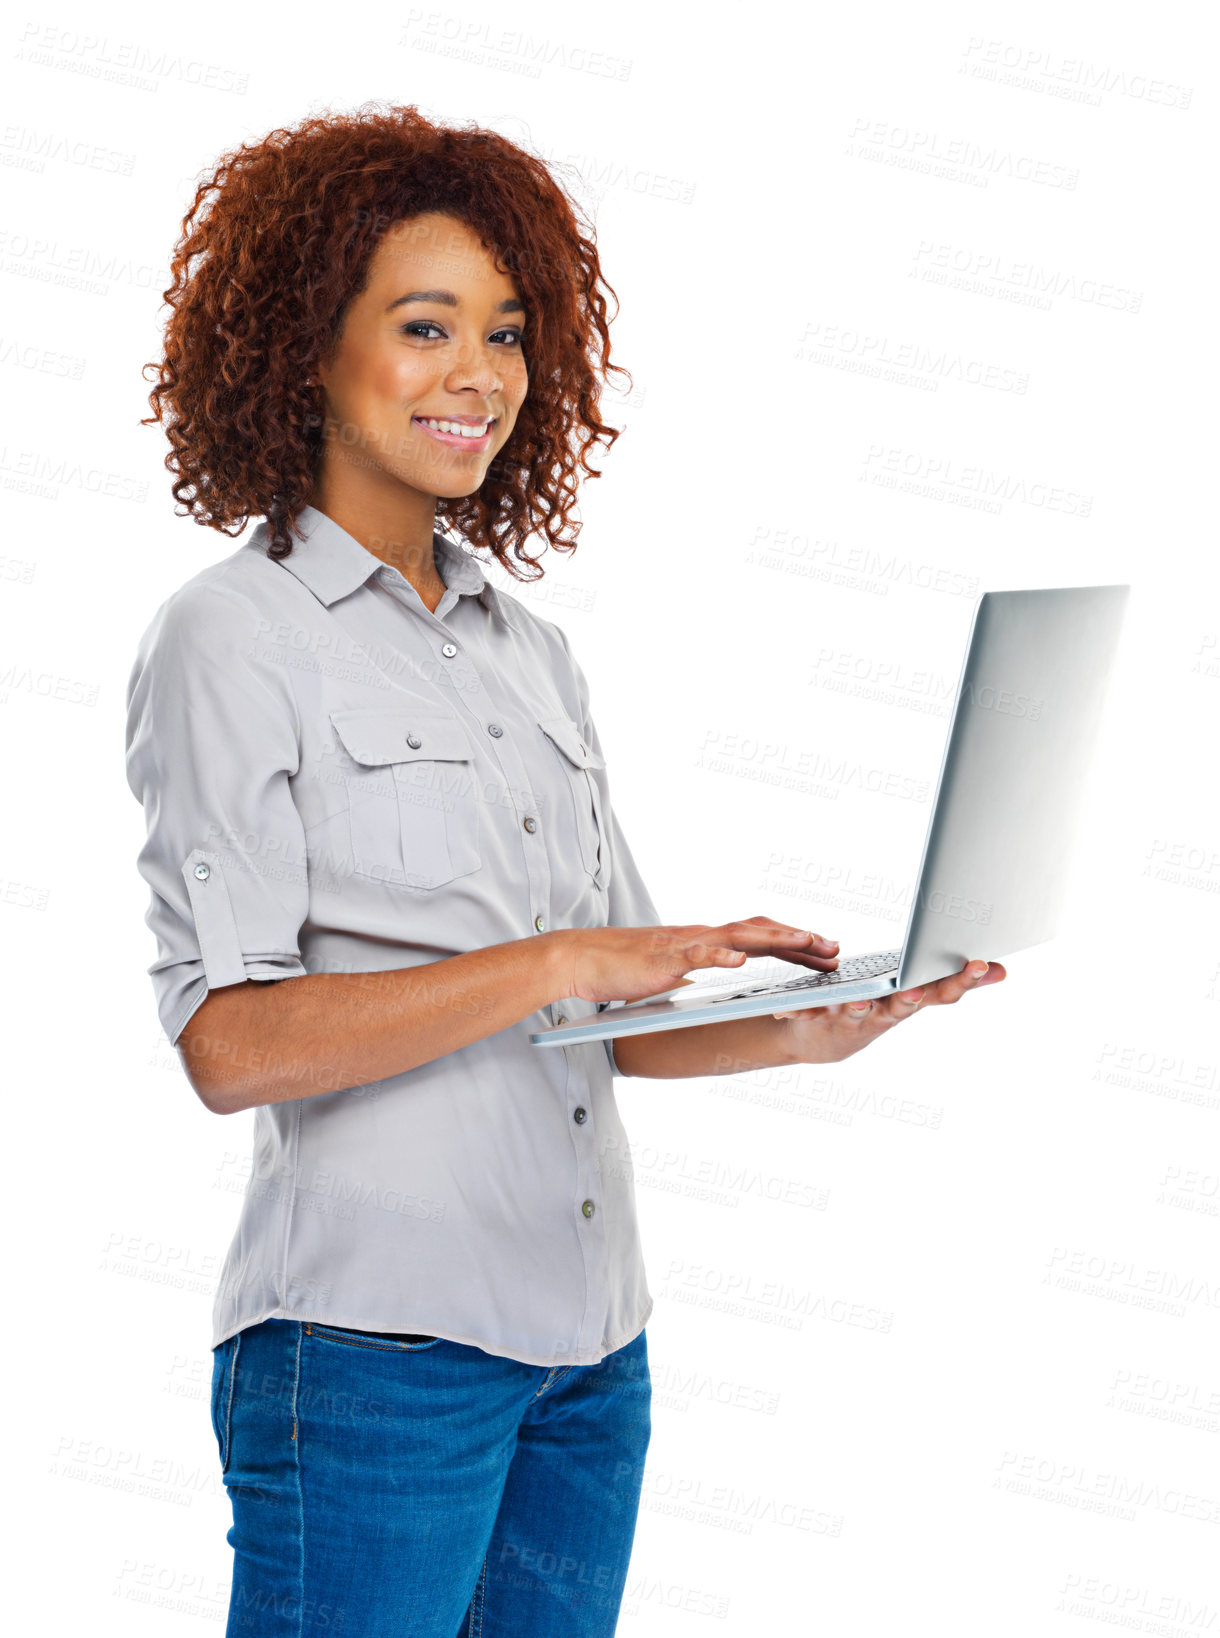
[(633, 963)]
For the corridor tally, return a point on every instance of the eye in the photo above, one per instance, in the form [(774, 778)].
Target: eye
[(417, 326)]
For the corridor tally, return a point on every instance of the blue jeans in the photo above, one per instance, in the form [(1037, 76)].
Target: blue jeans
[(425, 1490)]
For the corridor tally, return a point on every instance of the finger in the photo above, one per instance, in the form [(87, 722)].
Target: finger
[(806, 942), (698, 954), (803, 958), (948, 990), (788, 934), (812, 951), (760, 935), (904, 1004)]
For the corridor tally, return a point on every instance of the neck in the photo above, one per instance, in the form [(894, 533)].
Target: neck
[(396, 527)]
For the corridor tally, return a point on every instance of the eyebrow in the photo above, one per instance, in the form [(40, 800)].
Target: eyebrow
[(446, 298)]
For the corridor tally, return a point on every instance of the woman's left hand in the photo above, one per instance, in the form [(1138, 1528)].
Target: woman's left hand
[(826, 1035)]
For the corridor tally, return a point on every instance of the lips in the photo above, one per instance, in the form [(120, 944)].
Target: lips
[(457, 440)]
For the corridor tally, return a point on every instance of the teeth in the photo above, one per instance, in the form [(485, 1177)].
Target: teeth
[(457, 427)]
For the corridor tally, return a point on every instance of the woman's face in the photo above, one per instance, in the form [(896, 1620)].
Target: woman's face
[(435, 335)]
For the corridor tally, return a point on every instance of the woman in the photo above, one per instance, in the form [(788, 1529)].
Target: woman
[(382, 850)]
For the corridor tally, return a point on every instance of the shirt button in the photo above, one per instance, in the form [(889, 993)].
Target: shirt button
[(530, 823), (560, 1019), (580, 1116), (494, 729), (587, 1207), (414, 741), (202, 872), (539, 923), (449, 650)]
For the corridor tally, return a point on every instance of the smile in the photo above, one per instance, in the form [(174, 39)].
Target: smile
[(457, 434)]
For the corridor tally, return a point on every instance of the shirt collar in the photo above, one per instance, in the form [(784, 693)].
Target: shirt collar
[(332, 563)]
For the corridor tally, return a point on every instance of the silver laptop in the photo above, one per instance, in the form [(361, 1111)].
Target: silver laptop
[(997, 853)]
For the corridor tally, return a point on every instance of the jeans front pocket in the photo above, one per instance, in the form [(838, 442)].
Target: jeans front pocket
[(367, 1339), (580, 763), (412, 804)]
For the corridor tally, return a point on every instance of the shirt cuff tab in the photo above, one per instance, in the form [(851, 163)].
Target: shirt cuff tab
[(215, 923)]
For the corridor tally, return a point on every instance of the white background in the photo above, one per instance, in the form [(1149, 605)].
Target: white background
[(867, 262)]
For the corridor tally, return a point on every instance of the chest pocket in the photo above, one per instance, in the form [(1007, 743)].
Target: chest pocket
[(578, 761), (412, 804)]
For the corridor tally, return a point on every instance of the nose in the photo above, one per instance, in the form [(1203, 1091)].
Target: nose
[(474, 369)]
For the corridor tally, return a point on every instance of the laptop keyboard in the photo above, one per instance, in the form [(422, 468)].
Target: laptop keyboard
[(847, 972)]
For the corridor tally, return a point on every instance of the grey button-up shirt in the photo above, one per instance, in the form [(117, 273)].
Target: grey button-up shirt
[(336, 780)]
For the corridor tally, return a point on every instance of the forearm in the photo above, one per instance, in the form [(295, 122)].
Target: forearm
[(258, 1042), (737, 1045)]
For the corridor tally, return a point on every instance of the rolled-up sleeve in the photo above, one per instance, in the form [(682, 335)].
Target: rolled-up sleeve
[(212, 743), (630, 903)]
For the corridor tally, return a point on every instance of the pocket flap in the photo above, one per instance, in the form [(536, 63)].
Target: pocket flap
[(381, 734), (566, 734)]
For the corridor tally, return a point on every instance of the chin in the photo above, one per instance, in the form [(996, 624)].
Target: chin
[(451, 486), (455, 490)]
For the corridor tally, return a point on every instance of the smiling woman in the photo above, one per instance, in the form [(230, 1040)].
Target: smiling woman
[(271, 280), (381, 851), (426, 384), (378, 817)]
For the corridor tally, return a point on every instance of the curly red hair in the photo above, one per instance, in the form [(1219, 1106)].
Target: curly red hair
[(278, 241)]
